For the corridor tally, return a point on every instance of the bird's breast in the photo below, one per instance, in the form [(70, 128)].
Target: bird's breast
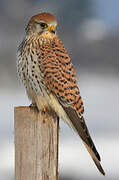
[(29, 68)]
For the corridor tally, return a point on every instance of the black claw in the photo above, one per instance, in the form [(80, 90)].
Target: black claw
[(33, 107), (43, 112)]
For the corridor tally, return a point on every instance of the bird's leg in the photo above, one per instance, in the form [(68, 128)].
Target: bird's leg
[(48, 111), (44, 109)]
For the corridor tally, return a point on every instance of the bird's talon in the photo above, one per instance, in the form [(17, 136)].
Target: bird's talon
[(44, 109), (33, 106)]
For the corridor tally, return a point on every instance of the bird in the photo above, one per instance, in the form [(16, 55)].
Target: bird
[(46, 70)]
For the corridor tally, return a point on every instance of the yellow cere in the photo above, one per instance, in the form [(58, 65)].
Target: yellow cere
[(51, 28)]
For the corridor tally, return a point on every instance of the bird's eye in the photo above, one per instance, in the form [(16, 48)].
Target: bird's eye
[(43, 25)]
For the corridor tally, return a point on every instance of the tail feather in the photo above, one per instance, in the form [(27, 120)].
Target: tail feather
[(96, 161), (79, 125)]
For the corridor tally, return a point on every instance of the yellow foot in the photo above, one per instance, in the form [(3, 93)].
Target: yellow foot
[(44, 109)]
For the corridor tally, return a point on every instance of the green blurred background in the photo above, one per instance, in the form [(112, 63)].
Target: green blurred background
[(89, 30)]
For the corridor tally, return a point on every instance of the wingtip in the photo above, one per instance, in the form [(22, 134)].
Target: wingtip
[(103, 173), (96, 161), (101, 170)]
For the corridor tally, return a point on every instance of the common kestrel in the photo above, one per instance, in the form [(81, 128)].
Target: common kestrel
[(45, 69)]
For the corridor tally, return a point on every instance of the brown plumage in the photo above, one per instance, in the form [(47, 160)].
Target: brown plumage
[(45, 69)]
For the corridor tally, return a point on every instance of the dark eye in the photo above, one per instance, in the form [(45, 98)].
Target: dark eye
[(43, 25)]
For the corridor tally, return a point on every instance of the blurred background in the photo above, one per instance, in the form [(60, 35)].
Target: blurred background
[(89, 30)]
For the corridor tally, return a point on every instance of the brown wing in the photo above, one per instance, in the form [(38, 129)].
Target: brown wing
[(60, 77)]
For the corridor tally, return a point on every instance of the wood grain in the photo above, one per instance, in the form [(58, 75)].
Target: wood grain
[(36, 145)]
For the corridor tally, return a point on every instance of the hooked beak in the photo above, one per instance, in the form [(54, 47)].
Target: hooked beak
[(52, 28)]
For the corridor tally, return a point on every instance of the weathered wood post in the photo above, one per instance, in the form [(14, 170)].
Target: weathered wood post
[(36, 145)]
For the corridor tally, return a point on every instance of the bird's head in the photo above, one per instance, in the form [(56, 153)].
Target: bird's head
[(40, 23)]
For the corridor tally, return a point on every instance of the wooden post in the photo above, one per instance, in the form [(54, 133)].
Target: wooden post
[(36, 145)]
